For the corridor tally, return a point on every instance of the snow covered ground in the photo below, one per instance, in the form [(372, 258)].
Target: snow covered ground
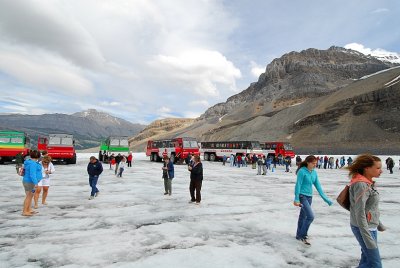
[(244, 220)]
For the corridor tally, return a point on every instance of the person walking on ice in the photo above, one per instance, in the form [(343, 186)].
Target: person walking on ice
[(303, 191), (94, 169), (364, 208)]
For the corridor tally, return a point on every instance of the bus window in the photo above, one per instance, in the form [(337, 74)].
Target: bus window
[(123, 142), (288, 147), (66, 141), (55, 140), (114, 142), (4, 140)]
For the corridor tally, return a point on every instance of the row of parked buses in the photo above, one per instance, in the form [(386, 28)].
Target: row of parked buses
[(61, 147), (178, 149)]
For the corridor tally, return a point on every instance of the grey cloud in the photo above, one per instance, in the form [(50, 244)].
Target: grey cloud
[(41, 25)]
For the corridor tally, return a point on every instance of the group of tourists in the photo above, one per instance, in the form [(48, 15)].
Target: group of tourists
[(364, 203), (36, 170), (120, 162), (195, 167)]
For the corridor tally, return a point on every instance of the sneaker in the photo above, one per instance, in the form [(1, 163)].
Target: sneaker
[(91, 197), (97, 194), (165, 193), (191, 201), (305, 241)]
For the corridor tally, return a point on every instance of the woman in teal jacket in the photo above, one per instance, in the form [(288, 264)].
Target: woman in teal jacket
[(32, 175), (306, 178)]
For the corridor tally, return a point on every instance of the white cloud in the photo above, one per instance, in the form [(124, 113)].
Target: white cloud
[(256, 70), (163, 110), (43, 71), (203, 103), (380, 10), (200, 70), (110, 103), (369, 51)]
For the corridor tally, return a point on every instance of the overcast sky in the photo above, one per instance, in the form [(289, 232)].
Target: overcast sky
[(143, 60)]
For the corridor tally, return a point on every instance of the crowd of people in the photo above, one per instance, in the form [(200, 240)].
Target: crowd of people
[(364, 197)]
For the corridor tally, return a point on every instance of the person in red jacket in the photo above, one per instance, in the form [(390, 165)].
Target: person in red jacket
[(129, 160)]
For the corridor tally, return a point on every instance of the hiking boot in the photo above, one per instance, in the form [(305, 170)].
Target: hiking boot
[(165, 193), (91, 197), (191, 201), (97, 194)]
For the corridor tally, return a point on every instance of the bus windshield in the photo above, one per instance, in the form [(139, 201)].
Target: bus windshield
[(255, 145), (190, 144), (54, 140), (66, 141), (288, 147), (123, 142)]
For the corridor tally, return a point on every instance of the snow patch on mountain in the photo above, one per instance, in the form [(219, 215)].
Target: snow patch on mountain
[(378, 53)]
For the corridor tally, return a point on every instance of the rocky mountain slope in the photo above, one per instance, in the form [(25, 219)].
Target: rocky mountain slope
[(319, 100), (88, 127)]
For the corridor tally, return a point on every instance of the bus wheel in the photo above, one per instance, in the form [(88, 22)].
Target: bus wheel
[(206, 157), (212, 157)]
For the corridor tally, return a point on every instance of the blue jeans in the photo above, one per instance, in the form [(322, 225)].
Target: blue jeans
[(306, 216), (369, 257), (93, 182)]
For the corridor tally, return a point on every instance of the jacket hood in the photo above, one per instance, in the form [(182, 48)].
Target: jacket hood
[(360, 178)]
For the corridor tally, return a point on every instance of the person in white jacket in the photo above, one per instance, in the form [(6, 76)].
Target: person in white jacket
[(121, 167), (47, 169)]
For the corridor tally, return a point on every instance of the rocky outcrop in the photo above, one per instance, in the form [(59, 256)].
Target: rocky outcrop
[(306, 74)]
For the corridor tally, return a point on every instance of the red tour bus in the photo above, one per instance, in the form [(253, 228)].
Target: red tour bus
[(276, 148), (176, 148), (61, 147)]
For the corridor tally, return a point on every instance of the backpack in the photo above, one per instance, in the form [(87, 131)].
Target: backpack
[(21, 171)]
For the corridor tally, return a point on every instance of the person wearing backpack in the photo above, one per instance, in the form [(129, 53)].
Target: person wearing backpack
[(303, 191), (364, 207), (30, 180)]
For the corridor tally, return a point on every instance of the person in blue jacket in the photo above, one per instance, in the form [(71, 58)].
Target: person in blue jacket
[(168, 175), (94, 169), (306, 178), (32, 176)]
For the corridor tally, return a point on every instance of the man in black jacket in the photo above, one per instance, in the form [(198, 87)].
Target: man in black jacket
[(94, 169)]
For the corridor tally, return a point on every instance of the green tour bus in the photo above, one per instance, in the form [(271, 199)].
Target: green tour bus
[(113, 145), (12, 143)]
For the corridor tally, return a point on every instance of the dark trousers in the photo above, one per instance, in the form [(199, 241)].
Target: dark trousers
[(129, 163), (93, 182), (195, 185)]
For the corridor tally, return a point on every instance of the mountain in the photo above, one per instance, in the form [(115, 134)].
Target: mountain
[(88, 127), (322, 101)]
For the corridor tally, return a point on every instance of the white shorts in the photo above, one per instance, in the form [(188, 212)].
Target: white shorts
[(44, 182)]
